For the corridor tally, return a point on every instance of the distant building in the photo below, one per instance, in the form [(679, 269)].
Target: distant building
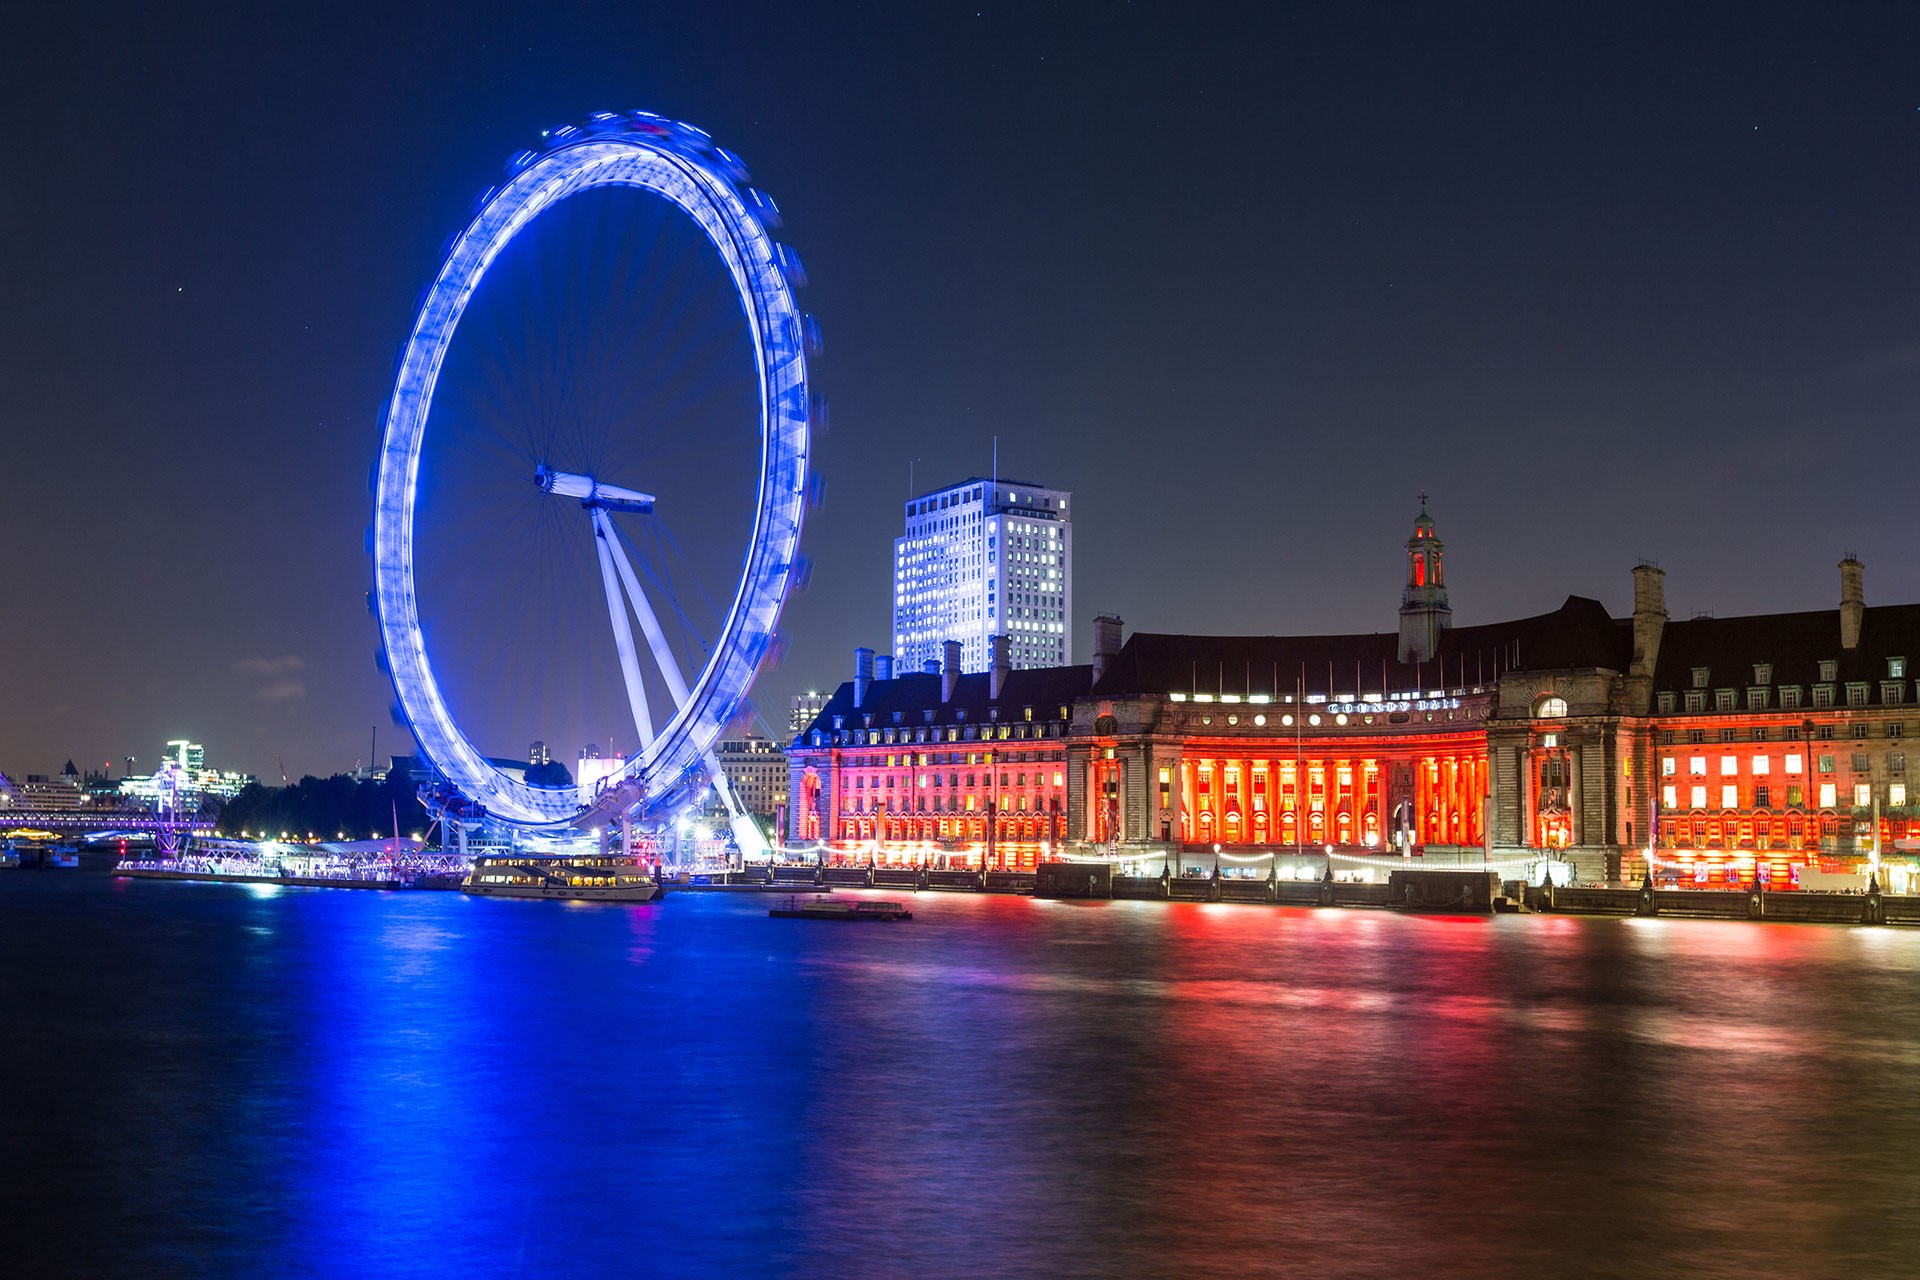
[(190, 759), (190, 756), (537, 754), (978, 559), (757, 769), (805, 707), (65, 792)]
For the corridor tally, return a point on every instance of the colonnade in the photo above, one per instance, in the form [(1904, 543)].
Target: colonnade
[(1331, 799)]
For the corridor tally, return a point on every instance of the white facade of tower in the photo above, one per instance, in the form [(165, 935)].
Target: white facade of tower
[(983, 558)]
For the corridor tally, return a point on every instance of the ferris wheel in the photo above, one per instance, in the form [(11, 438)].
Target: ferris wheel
[(589, 474)]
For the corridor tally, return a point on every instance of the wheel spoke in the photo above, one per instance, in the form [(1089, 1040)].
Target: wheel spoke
[(642, 609), (623, 637)]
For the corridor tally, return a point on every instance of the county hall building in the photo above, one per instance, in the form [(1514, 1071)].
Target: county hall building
[(1723, 748)]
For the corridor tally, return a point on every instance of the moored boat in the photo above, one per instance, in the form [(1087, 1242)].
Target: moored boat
[(587, 878), (839, 909)]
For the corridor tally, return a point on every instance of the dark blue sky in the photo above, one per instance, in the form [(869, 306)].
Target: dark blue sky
[(1608, 282)]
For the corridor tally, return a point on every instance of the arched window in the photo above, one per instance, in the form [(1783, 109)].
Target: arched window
[(1551, 707)]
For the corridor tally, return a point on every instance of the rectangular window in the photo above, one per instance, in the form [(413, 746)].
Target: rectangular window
[(1762, 734), (1761, 765), (1666, 702), (1893, 693), (1896, 730), (1763, 673), (1729, 735), (1793, 797), (1897, 667), (1696, 735), (1696, 700), (1790, 699), (1697, 765), (1699, 797), (1667, 766), (1826, 764), (1862, 795), (1829, 669), (1823, 695), (1756, 699), (1856, 695), (1729, 765), (1828, 797), (1796, 763), (1670, 797), (1730, 796), (1723, 699), (1896, 762), (1897, 794), (1861, 762), (1700, 677), (1760, 798)]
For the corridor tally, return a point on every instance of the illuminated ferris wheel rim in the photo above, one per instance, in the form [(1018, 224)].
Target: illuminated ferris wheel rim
[(678, 164)]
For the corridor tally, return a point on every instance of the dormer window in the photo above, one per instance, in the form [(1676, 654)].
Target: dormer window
[(896, 717), (1763, 673), (1696, 700), (839, 722), (1667, 701), (1896, 668), (1700, 677), (1829, 670), (1723, 699)]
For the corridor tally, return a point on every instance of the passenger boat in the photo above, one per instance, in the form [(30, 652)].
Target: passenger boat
[(839, 909), (587, 878), (63, 857)]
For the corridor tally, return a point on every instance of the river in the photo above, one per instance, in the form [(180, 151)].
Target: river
[(222, 1080)]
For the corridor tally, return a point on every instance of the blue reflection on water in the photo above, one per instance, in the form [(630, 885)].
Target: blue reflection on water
[(326, 1082)]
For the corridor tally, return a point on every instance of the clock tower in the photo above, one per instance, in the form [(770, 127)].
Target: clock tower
[(1424, 613)]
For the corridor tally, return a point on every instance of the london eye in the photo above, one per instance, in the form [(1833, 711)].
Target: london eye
[(592, 478)]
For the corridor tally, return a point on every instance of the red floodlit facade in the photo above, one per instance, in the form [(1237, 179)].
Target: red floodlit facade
[(1706, 750), (937, 767), (1781, 742)]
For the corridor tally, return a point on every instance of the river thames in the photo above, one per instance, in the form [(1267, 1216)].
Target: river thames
[(220, 1080)]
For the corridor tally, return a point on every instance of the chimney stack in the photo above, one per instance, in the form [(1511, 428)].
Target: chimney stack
[(862, 674), (1001, 650), (1853, 601), (883, 667), (1649, 617), (950, 670), (1106, 642)]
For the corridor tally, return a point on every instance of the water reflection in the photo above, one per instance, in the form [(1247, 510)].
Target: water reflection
[(338, 1083)]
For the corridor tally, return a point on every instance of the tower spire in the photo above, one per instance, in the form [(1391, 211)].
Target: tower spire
[(1424, 612)]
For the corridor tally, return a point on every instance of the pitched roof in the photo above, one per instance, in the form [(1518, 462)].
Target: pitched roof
[(1579, 634), (1794, 644), (912, 696)]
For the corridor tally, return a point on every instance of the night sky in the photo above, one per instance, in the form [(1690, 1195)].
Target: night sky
[(1608, 283)]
